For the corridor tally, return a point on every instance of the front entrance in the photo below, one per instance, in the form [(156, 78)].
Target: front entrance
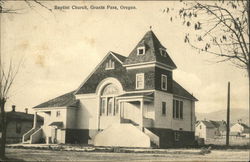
[(109, 104), (54, 135)]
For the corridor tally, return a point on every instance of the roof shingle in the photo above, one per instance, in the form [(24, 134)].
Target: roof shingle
[(152, 52), (180, 91), (65, 100)]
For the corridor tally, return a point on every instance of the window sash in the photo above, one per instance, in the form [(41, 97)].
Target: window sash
[(140, 50), (163, 82), (181, 109), (110, 64), (177, 109), (103, 103), (140, 81), (174, 108), (164, 108)]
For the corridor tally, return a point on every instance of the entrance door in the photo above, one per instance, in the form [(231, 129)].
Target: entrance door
[(54, 135)]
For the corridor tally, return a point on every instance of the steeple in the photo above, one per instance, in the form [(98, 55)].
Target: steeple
[(149, 49)]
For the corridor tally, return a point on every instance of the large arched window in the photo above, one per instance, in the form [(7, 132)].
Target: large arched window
[(109, 106)]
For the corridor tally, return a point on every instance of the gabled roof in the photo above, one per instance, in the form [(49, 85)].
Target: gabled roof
[(219, 124), (65, 100), (208, 124), (244, 125), (152, 52), (178, 90), (15, 115), (118, 57)]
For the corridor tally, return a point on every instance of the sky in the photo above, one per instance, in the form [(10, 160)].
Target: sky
[(61, 48)]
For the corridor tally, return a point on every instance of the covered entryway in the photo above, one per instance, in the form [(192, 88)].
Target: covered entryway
[(134, 108), (56, 133)]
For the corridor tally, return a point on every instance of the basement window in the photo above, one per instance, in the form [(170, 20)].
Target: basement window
[(140, 50), (176, 136)]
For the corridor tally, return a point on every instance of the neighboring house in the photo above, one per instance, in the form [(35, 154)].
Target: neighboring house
[(210, 129), (241, 129), (19, 123), (221, 127), (126, 101)]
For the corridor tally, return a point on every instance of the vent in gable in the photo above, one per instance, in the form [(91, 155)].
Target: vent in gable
[(110, 65)]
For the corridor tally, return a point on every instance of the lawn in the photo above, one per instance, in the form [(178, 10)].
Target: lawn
[(163, 155)]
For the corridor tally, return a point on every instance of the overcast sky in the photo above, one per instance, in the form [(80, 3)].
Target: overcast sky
[(60, 49)]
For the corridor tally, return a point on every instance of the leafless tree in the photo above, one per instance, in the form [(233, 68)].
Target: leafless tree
[(7, 77), (9, 71), (30, 4), (220, 28)]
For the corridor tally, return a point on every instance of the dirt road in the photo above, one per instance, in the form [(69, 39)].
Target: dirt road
[(171, 155)]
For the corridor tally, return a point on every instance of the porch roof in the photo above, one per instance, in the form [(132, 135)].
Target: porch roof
[(144, 95), (58, 124)]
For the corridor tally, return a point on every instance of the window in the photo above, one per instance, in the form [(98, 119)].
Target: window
[(181, 109), (140, 50), (164, 108), (163, 82), (200, 127), (58, 113), (163, 52), (176, 136), (110, 65), (18, 127), (173, 108), (140, 81), (177, 109), (116, 108), (110, 106), (103, 103)]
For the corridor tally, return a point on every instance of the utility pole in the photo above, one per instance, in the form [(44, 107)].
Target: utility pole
[(228, 114)]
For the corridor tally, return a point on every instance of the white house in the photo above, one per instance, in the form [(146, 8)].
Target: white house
[(210, 129), (240, 128), (126, 101)]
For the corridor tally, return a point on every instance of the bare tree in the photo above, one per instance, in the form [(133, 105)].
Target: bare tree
[(8, 73), (7, 77), (220, 28), (30, 4)]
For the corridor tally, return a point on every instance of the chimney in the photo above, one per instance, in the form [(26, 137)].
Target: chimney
[(13, 108), (26, 110)]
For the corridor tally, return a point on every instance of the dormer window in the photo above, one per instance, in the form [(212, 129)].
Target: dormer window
[(140, 50), (163, 52), (110, 65)]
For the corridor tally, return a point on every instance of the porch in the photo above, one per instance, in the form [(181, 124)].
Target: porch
[(134, 108)]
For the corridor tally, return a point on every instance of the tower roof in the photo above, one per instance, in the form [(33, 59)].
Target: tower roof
[(152, 52)]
